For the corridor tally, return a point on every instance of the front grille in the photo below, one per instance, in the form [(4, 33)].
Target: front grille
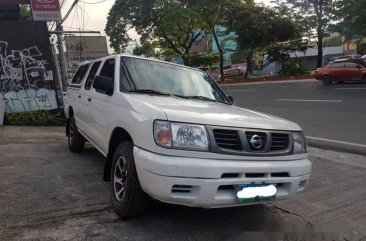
[(280, 141), (228, 139), (255, 143)]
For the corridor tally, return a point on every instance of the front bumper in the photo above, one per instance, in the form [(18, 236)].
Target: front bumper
[(213, 183)]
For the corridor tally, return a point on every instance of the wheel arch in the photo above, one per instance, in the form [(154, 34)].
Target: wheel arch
[(118, 135)]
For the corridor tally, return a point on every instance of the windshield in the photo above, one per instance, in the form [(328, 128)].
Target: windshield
[(154, 77)]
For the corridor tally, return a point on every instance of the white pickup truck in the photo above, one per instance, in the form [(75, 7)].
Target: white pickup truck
[(169, 132)]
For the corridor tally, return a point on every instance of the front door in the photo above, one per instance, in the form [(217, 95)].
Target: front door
[(99, 111)]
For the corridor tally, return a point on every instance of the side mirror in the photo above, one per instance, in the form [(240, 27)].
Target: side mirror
[(104, 85), (231, 98)]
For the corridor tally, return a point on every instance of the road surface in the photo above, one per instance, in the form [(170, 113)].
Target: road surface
[(336, 112)]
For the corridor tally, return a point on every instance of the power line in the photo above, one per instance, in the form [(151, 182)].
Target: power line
[(68, 13), (102, 1)]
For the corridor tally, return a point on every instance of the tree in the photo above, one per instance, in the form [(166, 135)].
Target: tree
[(257, 27), (333, 41), (316, 15), (146, 49), (168, 21), (214, 13), (25, 12), (281, 53), (353, 18)]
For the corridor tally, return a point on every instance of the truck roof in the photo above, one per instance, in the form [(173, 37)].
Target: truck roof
[(139, 57)]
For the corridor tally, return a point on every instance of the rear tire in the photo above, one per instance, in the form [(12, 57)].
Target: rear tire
[(327, 80), (75, 140), (128, 198)]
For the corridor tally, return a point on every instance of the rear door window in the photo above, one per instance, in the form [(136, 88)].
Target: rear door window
[(337, 66), (91, 75), (80, 74), (350, 65)]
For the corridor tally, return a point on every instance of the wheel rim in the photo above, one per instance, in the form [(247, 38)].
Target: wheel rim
[(120, 178), (327, 80), (71, 133)]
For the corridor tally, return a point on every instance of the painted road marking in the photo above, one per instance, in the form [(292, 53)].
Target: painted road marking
[(241, 90), (350, 88), (301, 100), (335, 141), (271, 82)]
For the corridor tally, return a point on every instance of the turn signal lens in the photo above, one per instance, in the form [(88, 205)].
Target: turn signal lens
[(162, 134)]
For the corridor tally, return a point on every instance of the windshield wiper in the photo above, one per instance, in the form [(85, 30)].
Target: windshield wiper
[(148, 91), (199, 97)]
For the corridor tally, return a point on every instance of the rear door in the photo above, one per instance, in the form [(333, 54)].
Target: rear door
[(85, 99), (74, 91), (337, 71), (353, 71)]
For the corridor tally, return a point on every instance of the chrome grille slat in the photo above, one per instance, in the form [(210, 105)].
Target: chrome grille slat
[(228, 139)]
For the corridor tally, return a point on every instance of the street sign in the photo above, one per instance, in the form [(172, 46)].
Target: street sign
[(84, 48), (46, 10)]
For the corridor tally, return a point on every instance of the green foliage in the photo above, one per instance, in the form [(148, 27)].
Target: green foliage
[(258, 26), (353, 15), (316, 16), (25, 13), (170, 22), (293, 67), (281, 52), (146, 49), (240, 56), (40, 117), (333, 41), (202, 59)]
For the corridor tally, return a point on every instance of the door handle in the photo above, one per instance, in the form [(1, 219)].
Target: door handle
[(89, 99), (79, 96)]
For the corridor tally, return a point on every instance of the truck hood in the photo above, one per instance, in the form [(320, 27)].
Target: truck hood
[(213, 113)]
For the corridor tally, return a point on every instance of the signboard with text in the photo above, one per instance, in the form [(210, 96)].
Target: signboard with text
[(46, 10), (84, 48)]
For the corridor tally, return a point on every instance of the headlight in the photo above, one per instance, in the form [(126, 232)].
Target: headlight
[(181, 135), (299, 143)]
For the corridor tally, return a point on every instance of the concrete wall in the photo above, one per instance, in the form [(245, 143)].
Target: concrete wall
[(27, 73)]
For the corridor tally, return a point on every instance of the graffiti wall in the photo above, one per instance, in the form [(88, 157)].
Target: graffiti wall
[(27, 73)]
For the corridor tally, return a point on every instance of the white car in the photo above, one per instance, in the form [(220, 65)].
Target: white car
[(170, 133)]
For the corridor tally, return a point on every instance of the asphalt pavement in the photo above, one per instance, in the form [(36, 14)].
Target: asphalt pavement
[(336, 113), (48, 193)]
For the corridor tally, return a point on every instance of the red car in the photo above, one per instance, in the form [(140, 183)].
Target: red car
[(341, 70)]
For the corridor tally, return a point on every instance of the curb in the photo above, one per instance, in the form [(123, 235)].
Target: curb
[(334, 145)]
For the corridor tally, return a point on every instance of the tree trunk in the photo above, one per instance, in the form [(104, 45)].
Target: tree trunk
[(249, 63), (320, 48), (185, 60), (221, 52)]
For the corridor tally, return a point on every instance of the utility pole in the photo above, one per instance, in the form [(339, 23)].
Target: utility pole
[(62, 59)]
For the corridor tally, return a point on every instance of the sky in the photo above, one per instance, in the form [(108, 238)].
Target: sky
[(92, 15)]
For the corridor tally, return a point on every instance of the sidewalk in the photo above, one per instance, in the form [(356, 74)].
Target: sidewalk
[(336, 193)]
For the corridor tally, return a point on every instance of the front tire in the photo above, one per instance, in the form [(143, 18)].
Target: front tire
[(327, 80), (128, 198), (75, 140)]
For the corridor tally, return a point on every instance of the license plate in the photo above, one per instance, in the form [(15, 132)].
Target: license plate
[(256, 192)]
